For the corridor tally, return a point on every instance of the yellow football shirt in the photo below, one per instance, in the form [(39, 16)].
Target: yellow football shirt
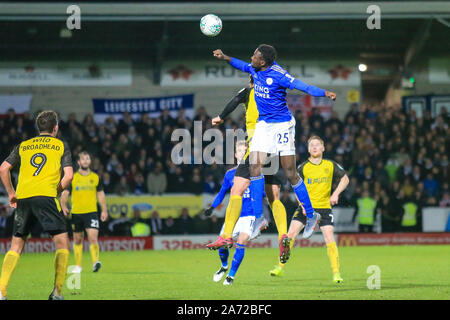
[(41, 159), (251, 114), (319, 180), (84, 190), (247, 97)]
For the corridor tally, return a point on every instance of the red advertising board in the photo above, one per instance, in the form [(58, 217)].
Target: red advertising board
[(183, 242), (39, 245), (187, 242), (387, 239)]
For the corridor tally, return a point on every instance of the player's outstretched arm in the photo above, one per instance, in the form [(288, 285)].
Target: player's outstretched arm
[(235, 63), (330, 95), (216, 120), (208, 211), (290, 82), (221, 56), (226, 186), (221, 195), (343, 183), (5, 174), (241, 97)]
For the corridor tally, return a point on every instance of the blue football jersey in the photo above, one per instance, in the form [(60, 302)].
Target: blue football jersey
[(270, 90), (247, 208)]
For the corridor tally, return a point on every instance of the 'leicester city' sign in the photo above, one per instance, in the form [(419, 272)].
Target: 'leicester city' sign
[(104, 108)]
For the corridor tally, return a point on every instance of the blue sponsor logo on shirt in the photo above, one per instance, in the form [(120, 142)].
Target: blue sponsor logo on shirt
[(84, 188), (319, 180)]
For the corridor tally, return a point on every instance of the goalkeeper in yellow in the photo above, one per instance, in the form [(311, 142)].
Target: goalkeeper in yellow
[(320, 175), (86, 188), (272, 182)]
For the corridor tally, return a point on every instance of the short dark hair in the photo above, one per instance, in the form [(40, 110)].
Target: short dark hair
[(46, 121), (268, 53), (83, 153)]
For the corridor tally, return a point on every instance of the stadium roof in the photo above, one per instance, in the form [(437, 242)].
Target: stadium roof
[(191, 11), (150, 32), (292, 38), (296, 29)]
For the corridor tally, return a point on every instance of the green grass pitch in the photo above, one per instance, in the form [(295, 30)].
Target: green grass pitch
[(407, 272)]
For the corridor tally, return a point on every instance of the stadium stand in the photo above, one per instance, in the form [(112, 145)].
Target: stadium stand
[(395, 156)]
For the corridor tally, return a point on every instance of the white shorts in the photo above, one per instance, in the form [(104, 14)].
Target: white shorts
[(275, 138), (248, 225)]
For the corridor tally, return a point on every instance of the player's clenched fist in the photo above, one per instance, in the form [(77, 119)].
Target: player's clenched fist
[(330, 95), (13, 200), (217, 120), (334, 199), (218, 54)]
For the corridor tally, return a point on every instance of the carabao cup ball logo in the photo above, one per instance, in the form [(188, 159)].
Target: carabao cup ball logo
[(211, 25)]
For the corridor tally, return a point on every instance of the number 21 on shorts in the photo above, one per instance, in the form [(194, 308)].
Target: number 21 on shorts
[(94, 223)]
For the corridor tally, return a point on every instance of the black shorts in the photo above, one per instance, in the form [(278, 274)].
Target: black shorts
[(326, 216), (243, 171), (82, 221), (42, 210)]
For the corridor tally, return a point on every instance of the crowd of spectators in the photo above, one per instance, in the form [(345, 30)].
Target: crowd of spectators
[(392, 154)]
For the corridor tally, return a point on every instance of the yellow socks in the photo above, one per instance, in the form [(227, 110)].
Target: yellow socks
[(279, 215), (95, 252), (333, 256), (9, 264), (232, 215), (78, 253), (61, 263)]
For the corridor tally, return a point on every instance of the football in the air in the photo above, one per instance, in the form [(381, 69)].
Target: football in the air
[(210, 25)]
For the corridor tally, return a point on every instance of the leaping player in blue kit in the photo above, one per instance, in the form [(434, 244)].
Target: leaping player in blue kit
[(274, 134), (248, 226)]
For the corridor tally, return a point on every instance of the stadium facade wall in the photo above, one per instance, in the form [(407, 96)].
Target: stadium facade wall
[(68, 99), (79, 99), (426, 69)]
